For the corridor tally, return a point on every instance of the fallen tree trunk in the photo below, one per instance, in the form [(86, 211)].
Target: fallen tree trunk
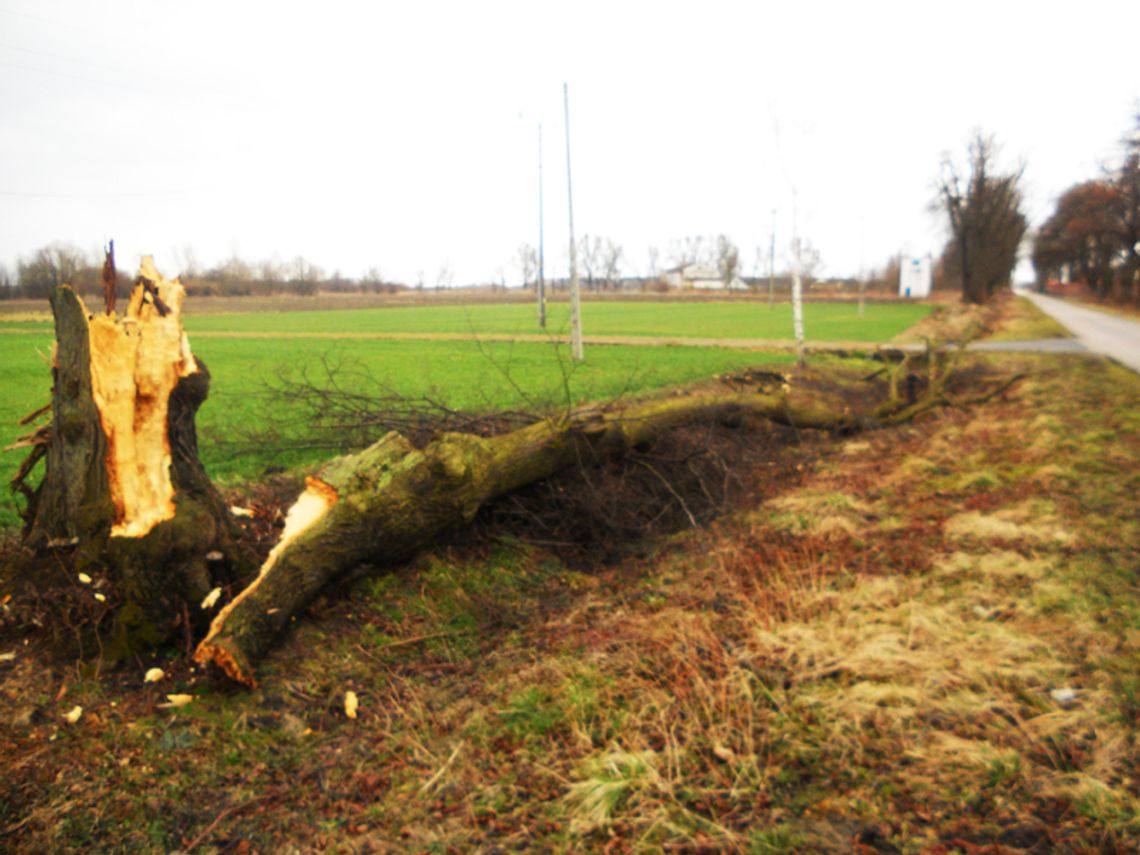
[(124, 499), (386, 503)]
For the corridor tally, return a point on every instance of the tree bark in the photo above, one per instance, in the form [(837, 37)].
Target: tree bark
[(386, 503), (389, 501), (124, 498)]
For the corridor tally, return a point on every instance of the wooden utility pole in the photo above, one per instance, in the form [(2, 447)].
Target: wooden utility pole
[(576, 352)]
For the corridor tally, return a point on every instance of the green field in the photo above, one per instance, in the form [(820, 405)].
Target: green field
[(467, 375), (823, 321)]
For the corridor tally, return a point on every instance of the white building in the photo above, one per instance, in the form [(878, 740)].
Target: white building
[(701, 277), (916, 277)]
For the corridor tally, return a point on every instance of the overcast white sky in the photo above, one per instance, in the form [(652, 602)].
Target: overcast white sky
[(402, 135)]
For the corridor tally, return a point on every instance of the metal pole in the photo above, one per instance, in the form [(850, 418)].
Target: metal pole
[(862, 271), (575, 309), (797, 284), (772, 264), (541, 277)]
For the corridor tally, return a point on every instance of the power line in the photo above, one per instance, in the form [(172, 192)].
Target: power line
[(78, 77), (65, 58), (47, 21), (143, 194)]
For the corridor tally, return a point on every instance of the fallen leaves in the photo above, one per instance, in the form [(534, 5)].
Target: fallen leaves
[(175, 701), (72, 716), (351, 703)]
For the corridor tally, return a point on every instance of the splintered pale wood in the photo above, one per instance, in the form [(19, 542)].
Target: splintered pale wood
[(124, 496), (384, 504), (136, 361)]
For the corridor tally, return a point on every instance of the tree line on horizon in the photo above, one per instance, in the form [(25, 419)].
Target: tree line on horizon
[(1091, 238), (602, 263)]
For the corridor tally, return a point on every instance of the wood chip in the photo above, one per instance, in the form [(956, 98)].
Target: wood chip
[(153, 675), (211, 598)]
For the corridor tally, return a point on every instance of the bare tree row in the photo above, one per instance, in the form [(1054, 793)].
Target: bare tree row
[(63, 263)]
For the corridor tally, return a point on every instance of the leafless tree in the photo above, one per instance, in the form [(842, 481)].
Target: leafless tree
[(611, 261), (304, 276), (590, 257), (49, 266), (526, 258), (270, 271), (654, 262), (695, 249), (372, 280), (186, 259), (811, 262), (445, 277), (727, 260), (7, 285), (987, 225)]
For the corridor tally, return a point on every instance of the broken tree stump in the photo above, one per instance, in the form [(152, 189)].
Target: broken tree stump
[(124, 497)]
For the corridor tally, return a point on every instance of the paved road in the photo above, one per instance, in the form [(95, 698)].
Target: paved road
[(1099, 332)]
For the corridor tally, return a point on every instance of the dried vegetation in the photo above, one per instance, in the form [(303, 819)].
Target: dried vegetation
[(923, 640)]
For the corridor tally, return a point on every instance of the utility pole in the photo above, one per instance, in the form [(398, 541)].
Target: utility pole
[(862, 271), (541, 277), (772, 264), (575, 308), (797, 285)]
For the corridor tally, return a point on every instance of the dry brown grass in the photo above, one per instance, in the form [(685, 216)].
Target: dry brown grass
[(882, 684)]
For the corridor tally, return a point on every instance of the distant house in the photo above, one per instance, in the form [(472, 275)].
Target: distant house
[(700, 277)]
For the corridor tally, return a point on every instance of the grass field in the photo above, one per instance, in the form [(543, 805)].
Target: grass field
[(823, 321)]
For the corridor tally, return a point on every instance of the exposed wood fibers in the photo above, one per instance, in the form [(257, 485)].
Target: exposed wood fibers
[(316, 500), (136, 361)]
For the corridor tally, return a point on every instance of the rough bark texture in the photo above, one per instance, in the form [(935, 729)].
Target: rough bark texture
[(72, 513), (391, 500)]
